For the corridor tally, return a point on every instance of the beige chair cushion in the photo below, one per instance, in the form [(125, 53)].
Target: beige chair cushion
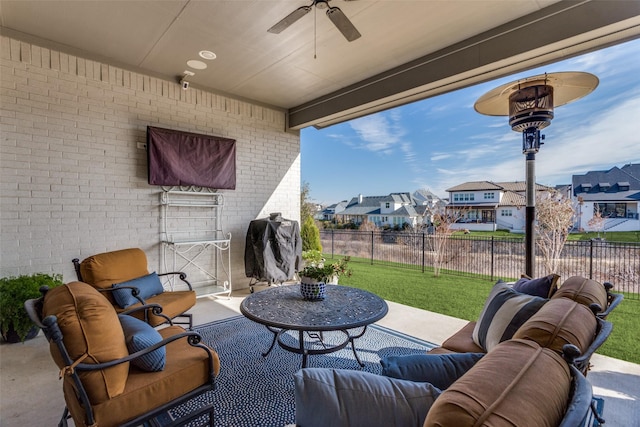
[(560, 321), (172, 303), (186, 369), (105, 269), (90, 326), (518, 383), (582, 290), (460, 342)]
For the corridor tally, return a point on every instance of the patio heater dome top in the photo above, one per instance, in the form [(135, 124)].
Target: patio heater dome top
[(566, 87)]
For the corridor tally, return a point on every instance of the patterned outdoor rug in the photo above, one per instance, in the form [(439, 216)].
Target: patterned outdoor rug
[(256, 391)]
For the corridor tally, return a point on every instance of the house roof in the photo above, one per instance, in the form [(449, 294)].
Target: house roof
[(615, 184), (519, 186)]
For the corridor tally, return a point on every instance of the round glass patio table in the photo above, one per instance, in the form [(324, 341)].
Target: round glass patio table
[(282, 309)]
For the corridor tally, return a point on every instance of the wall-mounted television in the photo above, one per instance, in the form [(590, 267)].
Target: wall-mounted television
[(176, 158)]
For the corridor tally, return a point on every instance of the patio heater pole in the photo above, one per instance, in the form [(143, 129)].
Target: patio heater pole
[(529, 104)]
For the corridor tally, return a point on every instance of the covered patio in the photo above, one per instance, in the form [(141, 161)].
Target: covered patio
[(27, 368)]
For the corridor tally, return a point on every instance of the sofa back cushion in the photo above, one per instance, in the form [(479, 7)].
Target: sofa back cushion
[(583, 290), (518, 383), (504, 311), (560, 321), (105, 269), (90, 330)]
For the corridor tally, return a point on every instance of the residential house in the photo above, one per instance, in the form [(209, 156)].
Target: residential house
[(614, 194), (396, 210), (329, 213), (488, 206)]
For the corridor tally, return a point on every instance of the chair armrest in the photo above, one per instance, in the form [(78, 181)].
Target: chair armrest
[(580, 400), (612, 302), (193, 339), (156, 309), (182, 276), (602, 333)]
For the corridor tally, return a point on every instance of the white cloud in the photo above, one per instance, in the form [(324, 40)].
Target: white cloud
[(379, 132)]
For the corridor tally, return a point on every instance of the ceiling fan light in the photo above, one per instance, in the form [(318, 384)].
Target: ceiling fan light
[(321, 4)]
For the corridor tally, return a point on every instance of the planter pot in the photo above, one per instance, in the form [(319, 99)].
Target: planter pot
[(311, 289), (12, 336)]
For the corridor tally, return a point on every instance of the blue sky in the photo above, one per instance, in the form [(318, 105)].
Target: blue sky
[(442, 141)]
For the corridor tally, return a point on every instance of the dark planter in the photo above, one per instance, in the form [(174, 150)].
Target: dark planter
[(12, 336)]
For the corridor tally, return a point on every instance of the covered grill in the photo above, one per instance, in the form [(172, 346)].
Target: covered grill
[(273, 250)]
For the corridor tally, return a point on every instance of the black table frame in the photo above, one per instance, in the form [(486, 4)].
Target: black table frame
[(282, 309)]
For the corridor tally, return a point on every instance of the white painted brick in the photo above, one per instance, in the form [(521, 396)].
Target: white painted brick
[(71, 166)]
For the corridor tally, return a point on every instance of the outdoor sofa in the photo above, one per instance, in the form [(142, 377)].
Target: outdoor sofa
[(523, 363)]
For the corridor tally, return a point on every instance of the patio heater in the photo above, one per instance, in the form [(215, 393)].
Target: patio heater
[(529, 103)]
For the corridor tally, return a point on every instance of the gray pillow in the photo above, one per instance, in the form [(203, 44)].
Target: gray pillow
[(441, 370), (345, 398)]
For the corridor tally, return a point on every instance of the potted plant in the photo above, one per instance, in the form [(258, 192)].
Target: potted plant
[(15, 324), (316, 274)]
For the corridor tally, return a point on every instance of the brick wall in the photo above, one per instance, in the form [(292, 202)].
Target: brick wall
[(73, 180)]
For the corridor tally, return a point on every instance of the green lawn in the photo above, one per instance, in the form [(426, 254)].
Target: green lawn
[(463, 297)]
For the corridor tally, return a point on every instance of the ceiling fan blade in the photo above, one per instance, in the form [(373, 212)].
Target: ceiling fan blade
[(289, 19), (343, 24)]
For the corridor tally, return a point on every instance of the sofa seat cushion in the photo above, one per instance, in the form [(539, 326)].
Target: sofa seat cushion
[(441, 370), (345, 398), (171, 302), (543, 287), (504, 311), (105, 269), (186, 369), (460, 342), (518, 383), (582, 290), (90, 327), (148, 286), (561, 321)]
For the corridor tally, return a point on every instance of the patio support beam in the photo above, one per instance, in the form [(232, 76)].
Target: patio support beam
[(562, 30)]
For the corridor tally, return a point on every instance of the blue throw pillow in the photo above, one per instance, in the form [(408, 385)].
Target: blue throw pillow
[(140, 335), (441, 370), (543, 287), (148, 285)]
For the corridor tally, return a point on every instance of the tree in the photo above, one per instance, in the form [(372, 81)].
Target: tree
[(597, 221), (443, 218), (306, 207), (309, 232), (310, 235), (555, 216)]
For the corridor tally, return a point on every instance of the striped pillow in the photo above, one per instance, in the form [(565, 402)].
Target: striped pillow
[(504, 312)]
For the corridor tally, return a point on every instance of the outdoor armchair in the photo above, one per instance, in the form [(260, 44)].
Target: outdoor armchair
[(126, 282), (116, 369)]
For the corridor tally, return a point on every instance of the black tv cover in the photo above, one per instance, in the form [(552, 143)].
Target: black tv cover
[(178, 158)]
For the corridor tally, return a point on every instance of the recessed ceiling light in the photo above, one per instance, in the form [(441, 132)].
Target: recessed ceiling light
[(189, 73), (207, 54), (195, 64)]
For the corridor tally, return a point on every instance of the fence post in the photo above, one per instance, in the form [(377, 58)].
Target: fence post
[(492, 256), (423, 248), (332, 243), (591, 259), (372, 244)]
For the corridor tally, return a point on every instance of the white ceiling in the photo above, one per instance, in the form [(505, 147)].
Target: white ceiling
[(409, 49)]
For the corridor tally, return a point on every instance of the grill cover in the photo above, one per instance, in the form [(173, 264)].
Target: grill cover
[(273, 250)]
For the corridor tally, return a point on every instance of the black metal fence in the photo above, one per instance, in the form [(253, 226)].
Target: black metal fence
[(490, 257)]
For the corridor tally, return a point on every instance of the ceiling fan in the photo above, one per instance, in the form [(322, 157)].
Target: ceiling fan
[(336, 16)]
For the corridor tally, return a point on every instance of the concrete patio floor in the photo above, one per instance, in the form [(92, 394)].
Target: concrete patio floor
[(31, 394)]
